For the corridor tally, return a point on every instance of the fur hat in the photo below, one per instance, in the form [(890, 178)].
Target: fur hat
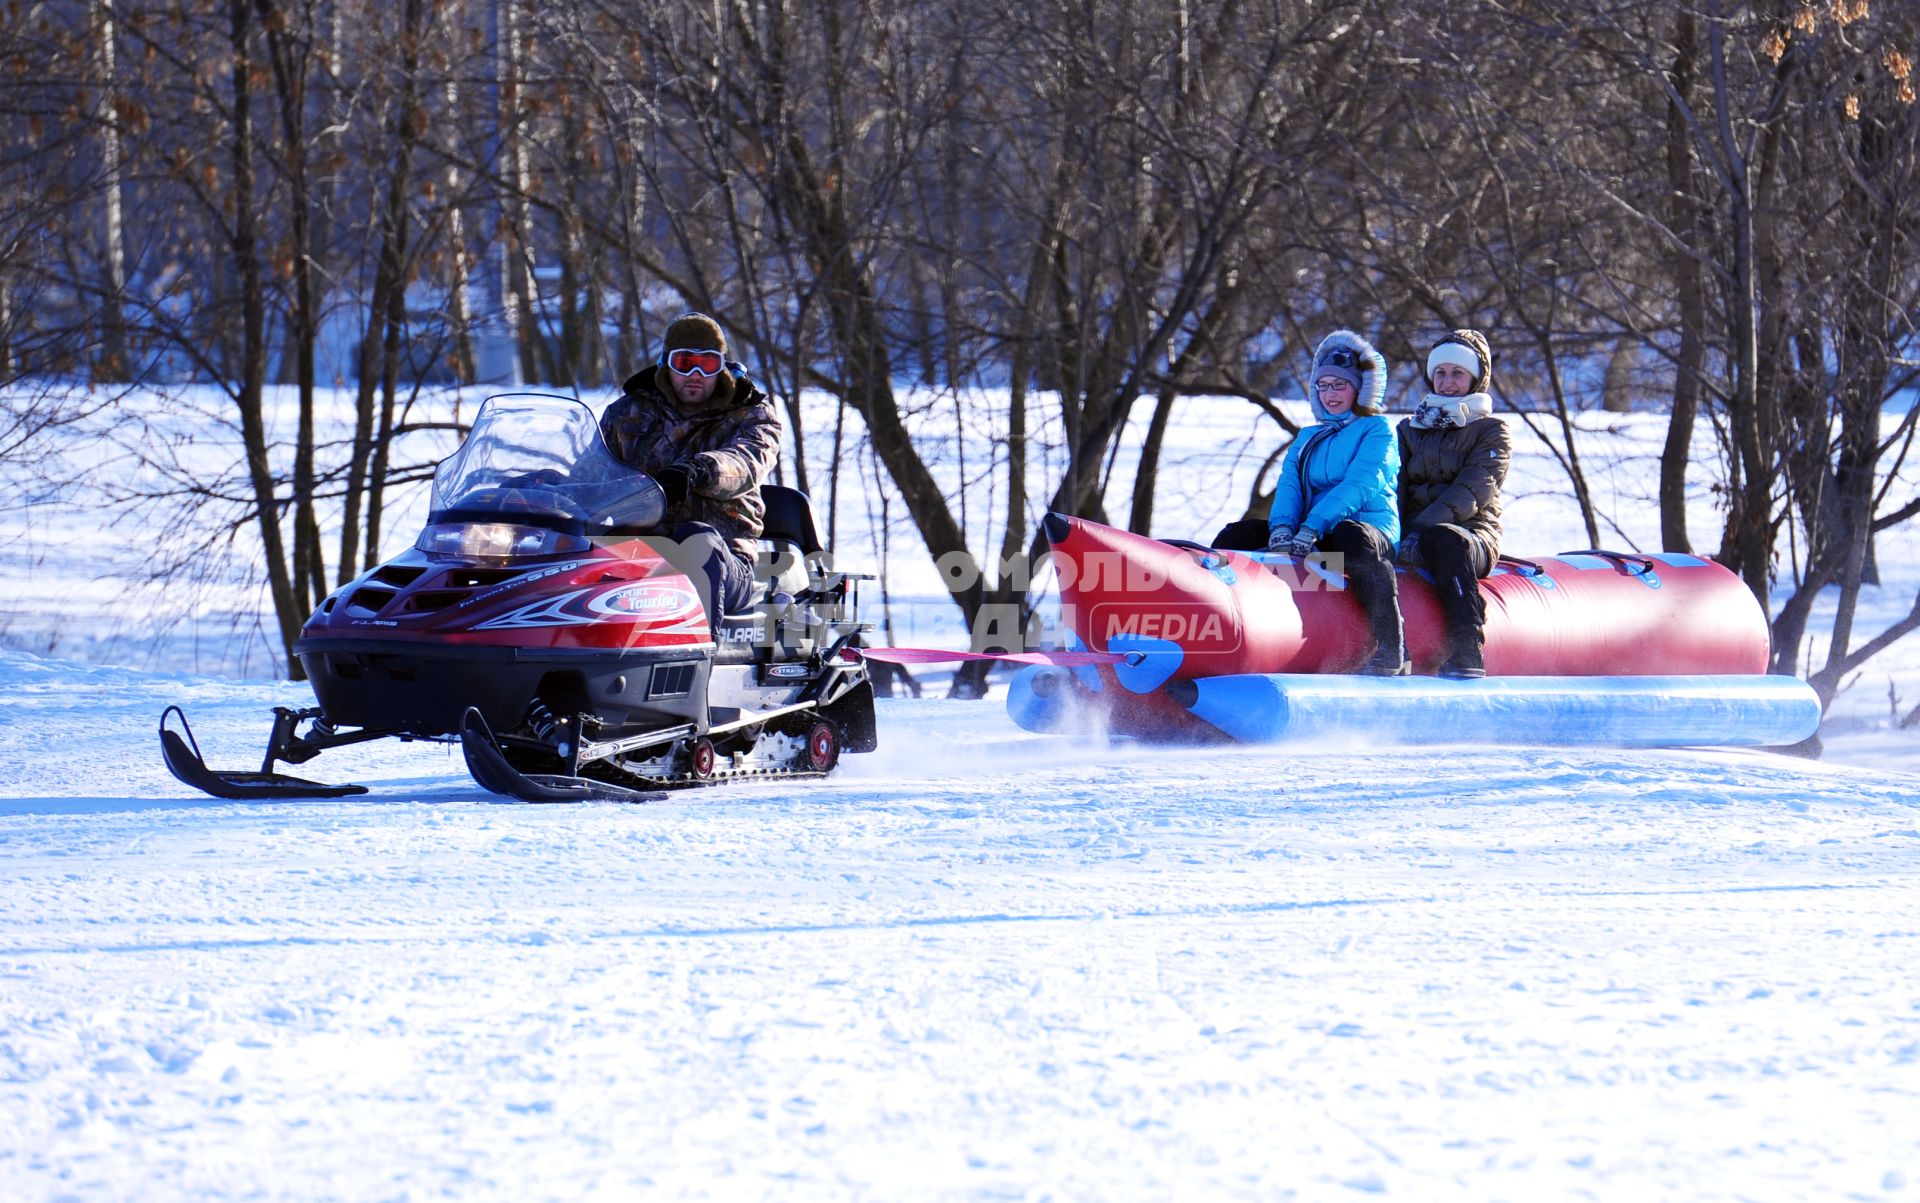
[(697, 332), (1464, 349), (1347, 356), (693, 332)]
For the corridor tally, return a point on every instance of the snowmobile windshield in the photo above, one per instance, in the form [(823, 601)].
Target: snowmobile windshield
[(537, 461)]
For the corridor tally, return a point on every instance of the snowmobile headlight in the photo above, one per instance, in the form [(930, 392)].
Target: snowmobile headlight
[(496, 539)]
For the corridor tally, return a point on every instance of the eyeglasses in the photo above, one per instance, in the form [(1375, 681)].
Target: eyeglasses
[(1331, 386), (696, 363)]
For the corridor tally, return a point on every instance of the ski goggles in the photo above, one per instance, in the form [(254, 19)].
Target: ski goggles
[(696, 363)]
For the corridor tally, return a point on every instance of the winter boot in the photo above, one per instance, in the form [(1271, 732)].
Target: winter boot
[(1389, 657), (1372, 579), (1387, 661), (1465, 611), (1464, 661)]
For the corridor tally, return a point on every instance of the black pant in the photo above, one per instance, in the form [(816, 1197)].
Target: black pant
[(1368, 566), (723, 577), (1242, 534), (1366, 560), (1457, 560)]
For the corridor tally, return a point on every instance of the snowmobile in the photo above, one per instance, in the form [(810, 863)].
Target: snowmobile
[(541, 621)]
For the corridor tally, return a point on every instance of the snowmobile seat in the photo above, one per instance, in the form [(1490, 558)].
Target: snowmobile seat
[(782, 623), (789, 519), (790, 528)]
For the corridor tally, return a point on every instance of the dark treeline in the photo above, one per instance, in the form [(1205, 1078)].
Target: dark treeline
[(1103, 204)]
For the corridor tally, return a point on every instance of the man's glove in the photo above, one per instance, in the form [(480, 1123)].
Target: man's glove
[(678, 479), (1408, 552), (1279, 539)]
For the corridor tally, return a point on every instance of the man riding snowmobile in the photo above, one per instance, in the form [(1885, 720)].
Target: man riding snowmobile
[(706, 433), (596, 609)]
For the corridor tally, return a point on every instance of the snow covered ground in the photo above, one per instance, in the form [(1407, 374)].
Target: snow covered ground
[(974, 965), (977, 964)]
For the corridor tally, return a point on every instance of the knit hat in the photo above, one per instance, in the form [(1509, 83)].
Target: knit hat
[(1349, 357), (1464, 349), (1342, 366), (693, 332)]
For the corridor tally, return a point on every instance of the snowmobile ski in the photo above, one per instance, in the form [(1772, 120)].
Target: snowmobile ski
[(491, 770), (184, 761)]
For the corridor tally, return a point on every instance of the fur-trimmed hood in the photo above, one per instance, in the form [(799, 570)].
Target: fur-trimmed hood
[(1372, 365), (1478, 357)]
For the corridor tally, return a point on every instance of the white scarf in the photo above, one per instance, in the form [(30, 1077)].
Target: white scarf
[(1438, 413)]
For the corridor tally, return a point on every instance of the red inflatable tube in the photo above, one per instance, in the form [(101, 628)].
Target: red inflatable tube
[(1576, 614)]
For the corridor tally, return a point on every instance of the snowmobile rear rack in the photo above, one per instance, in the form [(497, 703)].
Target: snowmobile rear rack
[(184, 761)]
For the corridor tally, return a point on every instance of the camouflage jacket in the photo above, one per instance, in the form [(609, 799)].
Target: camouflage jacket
[(737, 434)]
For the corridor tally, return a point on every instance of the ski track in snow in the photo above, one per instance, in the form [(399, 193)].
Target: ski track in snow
[(976, 964)]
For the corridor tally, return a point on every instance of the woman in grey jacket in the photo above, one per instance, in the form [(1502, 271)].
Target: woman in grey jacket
[(1454, 456)]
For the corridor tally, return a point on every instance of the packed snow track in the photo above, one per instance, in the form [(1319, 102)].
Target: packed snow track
[(974, 965)]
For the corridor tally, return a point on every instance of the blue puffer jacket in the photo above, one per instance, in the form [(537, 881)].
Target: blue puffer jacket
[(1335, 472)]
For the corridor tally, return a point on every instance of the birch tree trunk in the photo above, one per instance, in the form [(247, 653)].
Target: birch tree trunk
[(112, 361)]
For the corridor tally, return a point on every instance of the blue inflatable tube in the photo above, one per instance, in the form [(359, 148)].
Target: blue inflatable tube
[(1041, 699), (1631, 712)]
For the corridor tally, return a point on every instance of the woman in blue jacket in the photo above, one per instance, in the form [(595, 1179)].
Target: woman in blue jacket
[(1337, 489)]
